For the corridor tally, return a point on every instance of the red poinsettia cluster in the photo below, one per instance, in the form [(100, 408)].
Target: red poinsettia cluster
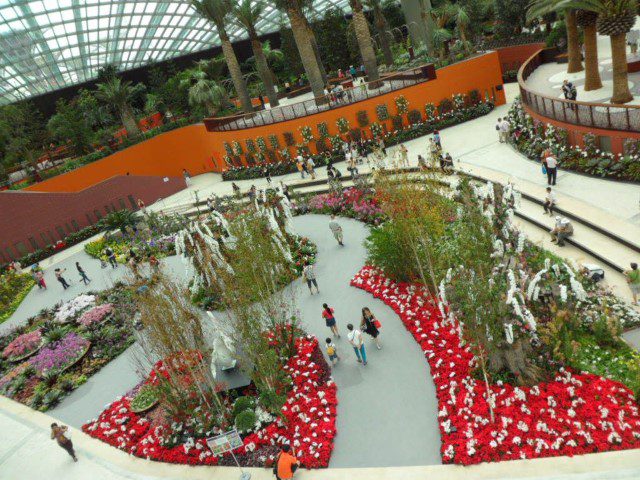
[(308, 420), (576, 413)]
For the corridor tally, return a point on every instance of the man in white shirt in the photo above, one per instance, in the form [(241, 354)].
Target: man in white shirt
[(549, 201), (336, 229), (552, 169), (357, 342), (504, 130)]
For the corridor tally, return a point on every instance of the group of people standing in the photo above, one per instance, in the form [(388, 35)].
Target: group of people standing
[(369, 324)]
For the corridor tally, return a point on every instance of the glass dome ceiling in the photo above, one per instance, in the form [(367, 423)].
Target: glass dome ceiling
[(46, 45)]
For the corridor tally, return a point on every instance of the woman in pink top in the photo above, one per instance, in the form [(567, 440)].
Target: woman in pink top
[(327, 314)]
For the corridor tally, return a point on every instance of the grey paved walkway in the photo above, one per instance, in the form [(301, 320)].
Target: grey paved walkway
[(387, 411), (377, 425)]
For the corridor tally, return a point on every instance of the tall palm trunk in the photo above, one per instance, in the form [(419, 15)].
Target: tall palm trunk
[(263, 70), (129, 121), (316, 50), (363, 35), (621, 93), (592, 73), (381, 26), (234, 70), (307, 54), (573, 42), (429, 24)]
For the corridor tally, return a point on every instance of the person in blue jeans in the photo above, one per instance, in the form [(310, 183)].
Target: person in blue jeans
[(355, 339)]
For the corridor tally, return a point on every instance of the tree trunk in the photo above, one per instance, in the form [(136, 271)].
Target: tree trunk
[(363, 35), (129, 121), (381, 27), (573, 42), (621, 93), (235, 72), (263, 70), (307, 54), (592, 73), (316, 51), (427, 19)]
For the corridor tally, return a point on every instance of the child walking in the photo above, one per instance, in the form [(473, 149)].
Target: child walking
[(330, 319), (332, 351)]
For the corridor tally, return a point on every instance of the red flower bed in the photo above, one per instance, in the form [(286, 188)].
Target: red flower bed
[(309, 420), (574, 414)]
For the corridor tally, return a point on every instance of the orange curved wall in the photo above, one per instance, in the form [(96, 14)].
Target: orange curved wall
[(200, 151), (576, 133)]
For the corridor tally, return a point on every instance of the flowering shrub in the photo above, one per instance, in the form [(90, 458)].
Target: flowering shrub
[(72, 307), (571, 415), (274, 142), (61, 354), (307, 134), (95, 315), (13, 289), (323, 130), (23, 345), (308, 421), (402, 104), (236, 148), (262, 144), (353, 202), (531, 139), (382, 112), (343, 125)]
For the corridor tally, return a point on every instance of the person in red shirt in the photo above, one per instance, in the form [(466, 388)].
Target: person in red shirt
[(330, 319), (287, 463)]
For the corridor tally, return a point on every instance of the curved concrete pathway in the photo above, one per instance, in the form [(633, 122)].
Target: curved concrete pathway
[(387, 412)]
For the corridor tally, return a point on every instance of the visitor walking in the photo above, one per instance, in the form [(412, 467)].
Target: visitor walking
[(300, 165), (310, 277), (236, 190), (60, 278), (40, 279), (267, 174), (499, 130), (437, 139), (549, 201), (336, 229), (633, 279), (504, 130), (332, 351), (311, 168), (552, 168), (357, 342), (569, 90), (404, 156), (286, 463), (371, 326), (330, 319), (111, 256), (83, 276), (60, 433), (187, 177)]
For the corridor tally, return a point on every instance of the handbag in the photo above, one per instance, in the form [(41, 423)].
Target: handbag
[(544, 170), (377, 324)]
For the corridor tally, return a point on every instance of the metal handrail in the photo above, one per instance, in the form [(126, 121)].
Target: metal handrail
[(604, 116), (350, 96)]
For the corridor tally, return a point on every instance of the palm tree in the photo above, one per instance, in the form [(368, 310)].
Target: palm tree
[(587, 20), (615, 19), (442, 16), (363, 36), (216, 12), (303, 36), (117, 94), (203, 92), (538, 8), (215, 67), (247, 14), (382, 27)]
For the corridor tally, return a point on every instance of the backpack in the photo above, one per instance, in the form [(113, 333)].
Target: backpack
[(331, 350), (574, 92)]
